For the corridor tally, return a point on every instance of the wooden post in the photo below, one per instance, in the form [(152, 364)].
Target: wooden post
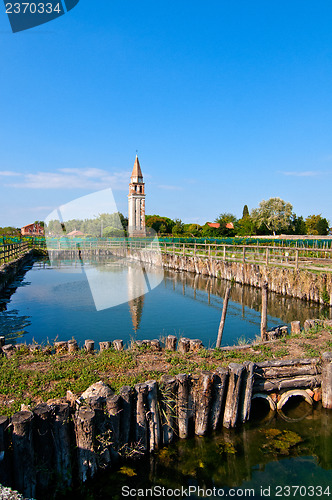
[(233, 395), (24, 467), (184, 249), (5, 472), (103, 346), (72, 346), (223, 317), (85, 440), (195, 345), (118, 345), (264, 311), (327, 380), (170, 343), (248, 382), (62, 445), (89, 346), (61, 347), (2, 341), (141, 430), (153, 416), (244, 255), (295, 327), (126, 417), (168, 389), (203, 399), (44, 448), (114, 409), (183, 345), (267, 256), (296, 260), (182, 404), (225, 253), (220, 384)]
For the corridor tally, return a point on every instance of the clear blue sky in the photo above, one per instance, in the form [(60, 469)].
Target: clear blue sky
[(228, 103)]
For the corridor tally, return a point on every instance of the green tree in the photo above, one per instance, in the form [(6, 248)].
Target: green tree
[(245, 212), (275, 214), (178, 227), (155, 221), (224, 219), (316, 224), (110, 232)]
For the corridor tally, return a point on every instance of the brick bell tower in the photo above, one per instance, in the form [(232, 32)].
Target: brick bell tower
[(136, 202)]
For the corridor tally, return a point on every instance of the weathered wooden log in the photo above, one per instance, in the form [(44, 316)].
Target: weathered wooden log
[(118, 345), (104, 345), (155, 345), (61, 346), (89, 345), (62, 446), (102, 430), (154, 435), (5, 472), (85, 441), (114, 408), (287, 371), (195, 345), (8, 350), (219, 395), (168, 389), (72, 346), (287, 362), (311, 323), (203, 399), (24, 468), (182, 404), (183, 345), (43, 447), (264, 311), (126, 422), (295, 327), (327, 380), (233, 395), (248, 382), (170, 343), (289, 383), (141, 429), (223, 317), (147, 343)]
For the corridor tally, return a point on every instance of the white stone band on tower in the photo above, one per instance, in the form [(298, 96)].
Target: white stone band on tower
[(136, 202)]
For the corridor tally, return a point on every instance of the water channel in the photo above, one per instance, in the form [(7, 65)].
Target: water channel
[(107, 300)]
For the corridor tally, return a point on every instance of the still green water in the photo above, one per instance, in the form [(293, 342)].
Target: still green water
[(266, 458)]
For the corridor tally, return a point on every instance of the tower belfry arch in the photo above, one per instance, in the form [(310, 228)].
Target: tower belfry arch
[(136, 202)]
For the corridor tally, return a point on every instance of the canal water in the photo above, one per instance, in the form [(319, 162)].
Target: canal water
[(108, 300), (268, 457)]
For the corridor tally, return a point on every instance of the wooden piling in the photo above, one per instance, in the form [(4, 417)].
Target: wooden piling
[(170, 343), (44, 447), (264, 311), (295, 327), (168, 390), (72, 346), (104, 345), (327, 380), (61, 347), (23, 453), (248, 383), (220, 384), (153, 416), (85, 441), (141, 430), (203, 400), (114, 408), (62, 445), (223, 317), (5, 471), (89, 345), (183, 345), (126, 422), (195, 345), (233, 395), (155, 345), (2, 341), (182, 404), (118, 345)]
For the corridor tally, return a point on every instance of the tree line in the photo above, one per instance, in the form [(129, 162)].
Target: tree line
[(271, 217)]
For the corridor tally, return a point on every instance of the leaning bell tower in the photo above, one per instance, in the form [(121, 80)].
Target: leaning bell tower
[(136, 202)]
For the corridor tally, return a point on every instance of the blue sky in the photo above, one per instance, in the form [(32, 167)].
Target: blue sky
[(228, 103)]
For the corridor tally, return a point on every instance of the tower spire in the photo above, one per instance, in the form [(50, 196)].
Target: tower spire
[(136, 202)]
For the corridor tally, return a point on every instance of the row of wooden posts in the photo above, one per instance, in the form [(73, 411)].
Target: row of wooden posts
[(12, 251), (55, 445)]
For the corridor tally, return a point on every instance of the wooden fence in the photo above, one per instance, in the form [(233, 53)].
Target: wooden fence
[(12, 251)]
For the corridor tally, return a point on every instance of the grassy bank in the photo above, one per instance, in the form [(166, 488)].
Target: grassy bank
[(32, 377)]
